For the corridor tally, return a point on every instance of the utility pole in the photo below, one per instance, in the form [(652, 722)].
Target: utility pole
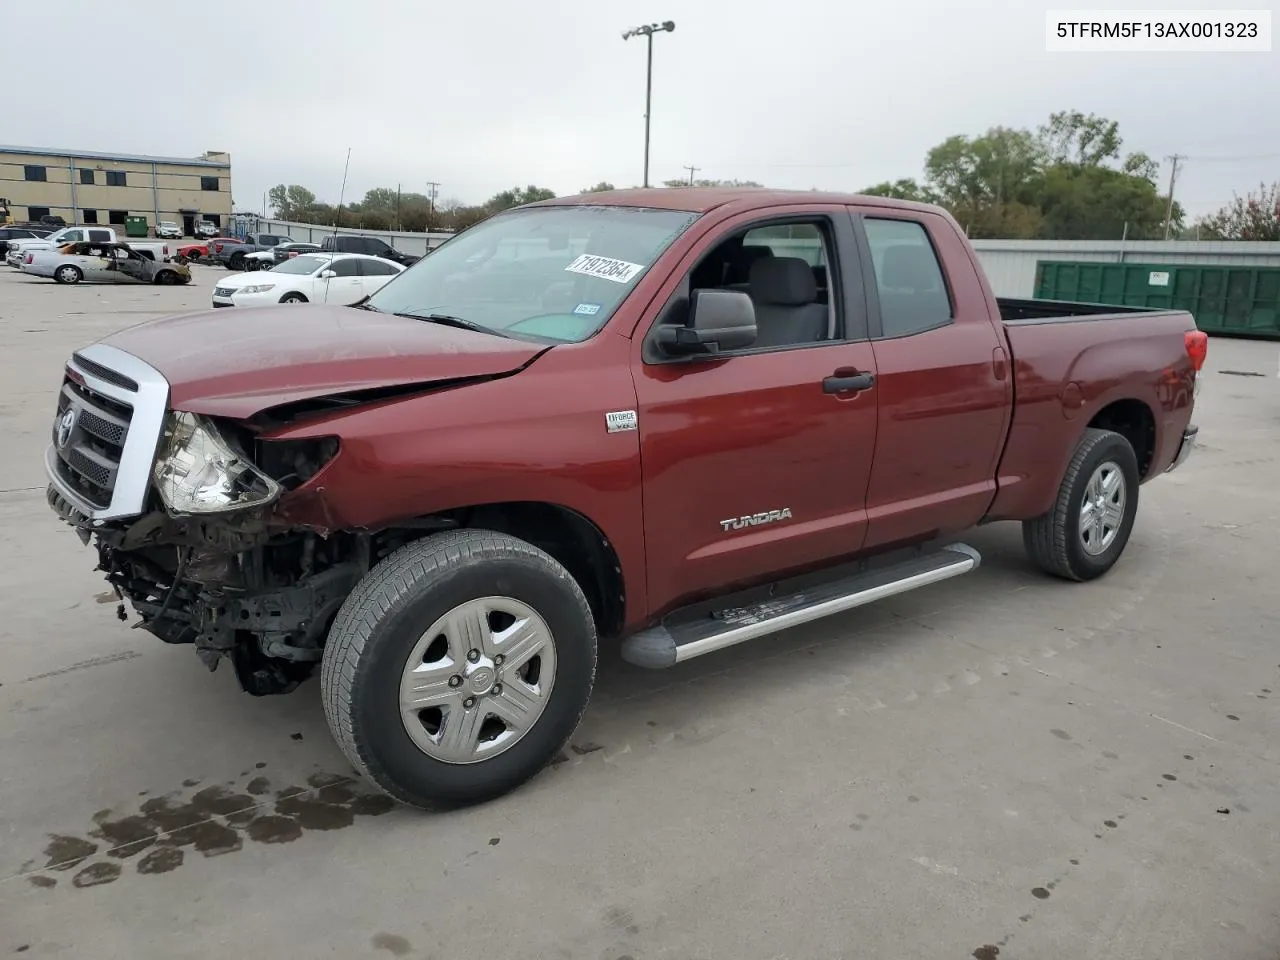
[(647, 31), (1173, 178), (692, 170), (432, 186)]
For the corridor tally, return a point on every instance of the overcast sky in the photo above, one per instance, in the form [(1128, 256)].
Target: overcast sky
[(481, 95)]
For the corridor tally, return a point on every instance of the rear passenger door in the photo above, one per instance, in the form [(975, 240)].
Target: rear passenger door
[(375, 273), (346, 285), (942, 377), (755, 461)]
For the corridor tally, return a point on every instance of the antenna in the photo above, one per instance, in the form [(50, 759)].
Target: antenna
[(342, 192)]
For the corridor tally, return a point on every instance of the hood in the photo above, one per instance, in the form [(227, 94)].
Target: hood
[(238, 362)]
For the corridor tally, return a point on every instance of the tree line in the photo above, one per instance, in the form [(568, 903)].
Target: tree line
[(387, 208), (1066, 180)]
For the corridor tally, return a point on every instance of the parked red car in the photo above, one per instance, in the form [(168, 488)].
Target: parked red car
[(674, 420), (200, 251)]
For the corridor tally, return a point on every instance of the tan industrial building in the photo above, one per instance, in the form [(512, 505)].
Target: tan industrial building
[(82, 186)]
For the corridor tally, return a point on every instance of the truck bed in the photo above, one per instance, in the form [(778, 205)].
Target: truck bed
[(1072, 357), (1016, 311)]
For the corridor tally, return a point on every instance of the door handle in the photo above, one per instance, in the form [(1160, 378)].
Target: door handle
[(851, 383)]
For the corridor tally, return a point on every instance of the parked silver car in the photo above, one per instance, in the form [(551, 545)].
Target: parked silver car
[(98, 262)]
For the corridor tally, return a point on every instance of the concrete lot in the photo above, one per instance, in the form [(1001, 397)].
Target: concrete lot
[(1000, 766)]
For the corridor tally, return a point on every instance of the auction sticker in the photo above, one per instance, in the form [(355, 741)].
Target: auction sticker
[(606, 268), (587, 309)]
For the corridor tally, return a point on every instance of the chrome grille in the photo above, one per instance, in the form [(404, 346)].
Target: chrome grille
[(222, 291), (89, 454), (103, 373), (110, 416)]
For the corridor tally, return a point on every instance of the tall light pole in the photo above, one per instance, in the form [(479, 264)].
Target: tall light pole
[(647, 31)]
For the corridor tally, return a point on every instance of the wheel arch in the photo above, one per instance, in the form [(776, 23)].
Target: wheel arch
[(1134, 420), (574, 540)]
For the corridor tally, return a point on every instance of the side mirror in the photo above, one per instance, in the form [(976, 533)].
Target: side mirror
[(719, 320), (327, 274)]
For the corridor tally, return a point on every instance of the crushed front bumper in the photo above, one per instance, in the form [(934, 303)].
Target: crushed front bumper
[(1184, 448)]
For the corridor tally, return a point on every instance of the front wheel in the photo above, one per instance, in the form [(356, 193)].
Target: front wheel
[(1082, 537), (293, 298), (458, 668)]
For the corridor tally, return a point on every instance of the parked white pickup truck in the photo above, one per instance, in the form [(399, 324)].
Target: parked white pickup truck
[(18, 249)]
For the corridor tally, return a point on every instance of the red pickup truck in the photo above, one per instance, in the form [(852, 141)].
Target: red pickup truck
[(672, 419)]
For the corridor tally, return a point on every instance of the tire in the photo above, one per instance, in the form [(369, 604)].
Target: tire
[(166, 278), (1060, 542), (68, 274), (236, 262), (293, 298), (385, 623)]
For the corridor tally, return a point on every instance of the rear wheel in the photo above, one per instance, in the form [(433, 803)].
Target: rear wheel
[(166, 277), (459, 667), (236, 262), (68, 274), (1082, 537)]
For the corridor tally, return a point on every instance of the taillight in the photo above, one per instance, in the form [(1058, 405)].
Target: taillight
[(1197, 344), (217, 248), (30, 258)]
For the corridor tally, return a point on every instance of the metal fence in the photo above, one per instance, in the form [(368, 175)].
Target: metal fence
[(1010, 264), (406, 241)]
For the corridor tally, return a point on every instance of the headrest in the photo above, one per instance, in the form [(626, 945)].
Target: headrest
[(741, 259), (784, 281)]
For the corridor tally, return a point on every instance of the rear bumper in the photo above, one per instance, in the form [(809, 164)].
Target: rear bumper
[(1184, 448)]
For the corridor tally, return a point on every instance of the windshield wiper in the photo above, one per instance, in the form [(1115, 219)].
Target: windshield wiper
[(450, 321)]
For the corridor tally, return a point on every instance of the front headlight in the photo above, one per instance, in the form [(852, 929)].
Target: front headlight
[(197, 471), (257, 288)]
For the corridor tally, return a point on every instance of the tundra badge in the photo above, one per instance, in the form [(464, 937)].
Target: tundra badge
[(755, 519), (619, 420)]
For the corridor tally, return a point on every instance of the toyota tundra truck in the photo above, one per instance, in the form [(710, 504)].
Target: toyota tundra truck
[(668, 420)]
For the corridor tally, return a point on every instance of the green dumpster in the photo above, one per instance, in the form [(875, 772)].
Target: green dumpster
[(136, 227), (1223, 299)]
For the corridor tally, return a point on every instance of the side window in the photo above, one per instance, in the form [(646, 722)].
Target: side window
[(100, 235), (346, 267), (376, 268), (782, 267), (73, 236), (912, 291)]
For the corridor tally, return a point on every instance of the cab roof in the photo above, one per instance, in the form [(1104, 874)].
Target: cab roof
[(703, 199)]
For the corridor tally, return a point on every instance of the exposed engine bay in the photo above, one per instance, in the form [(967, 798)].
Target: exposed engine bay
[(233, 588)]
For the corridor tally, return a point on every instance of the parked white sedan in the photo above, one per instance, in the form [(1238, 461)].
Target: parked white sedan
[(341, 278)]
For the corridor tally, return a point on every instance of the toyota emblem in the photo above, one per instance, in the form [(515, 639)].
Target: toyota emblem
[(66, 424)]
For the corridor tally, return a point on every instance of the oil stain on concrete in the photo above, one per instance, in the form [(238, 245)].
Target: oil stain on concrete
[(158, 836)]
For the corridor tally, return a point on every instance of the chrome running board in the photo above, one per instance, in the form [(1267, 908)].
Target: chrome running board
[(674, 641)]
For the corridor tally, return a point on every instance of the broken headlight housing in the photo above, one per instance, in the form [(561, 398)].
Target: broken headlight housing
[(198, 471)]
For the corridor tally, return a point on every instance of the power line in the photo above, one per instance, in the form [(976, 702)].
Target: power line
[(692, 170), (1240, 159)]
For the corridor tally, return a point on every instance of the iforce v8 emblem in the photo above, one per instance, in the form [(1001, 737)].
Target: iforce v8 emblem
[(617, 421)]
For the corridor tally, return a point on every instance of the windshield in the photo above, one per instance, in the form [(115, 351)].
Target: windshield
[(550, 273), (300, 265)]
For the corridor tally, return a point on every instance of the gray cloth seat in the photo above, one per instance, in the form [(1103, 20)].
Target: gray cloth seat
[(785, 295)]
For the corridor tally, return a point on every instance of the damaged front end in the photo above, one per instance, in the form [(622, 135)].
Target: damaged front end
[(183, 512)]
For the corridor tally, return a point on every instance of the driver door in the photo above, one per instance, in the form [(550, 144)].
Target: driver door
[(346, 285), (756, 461), (130, 266)]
